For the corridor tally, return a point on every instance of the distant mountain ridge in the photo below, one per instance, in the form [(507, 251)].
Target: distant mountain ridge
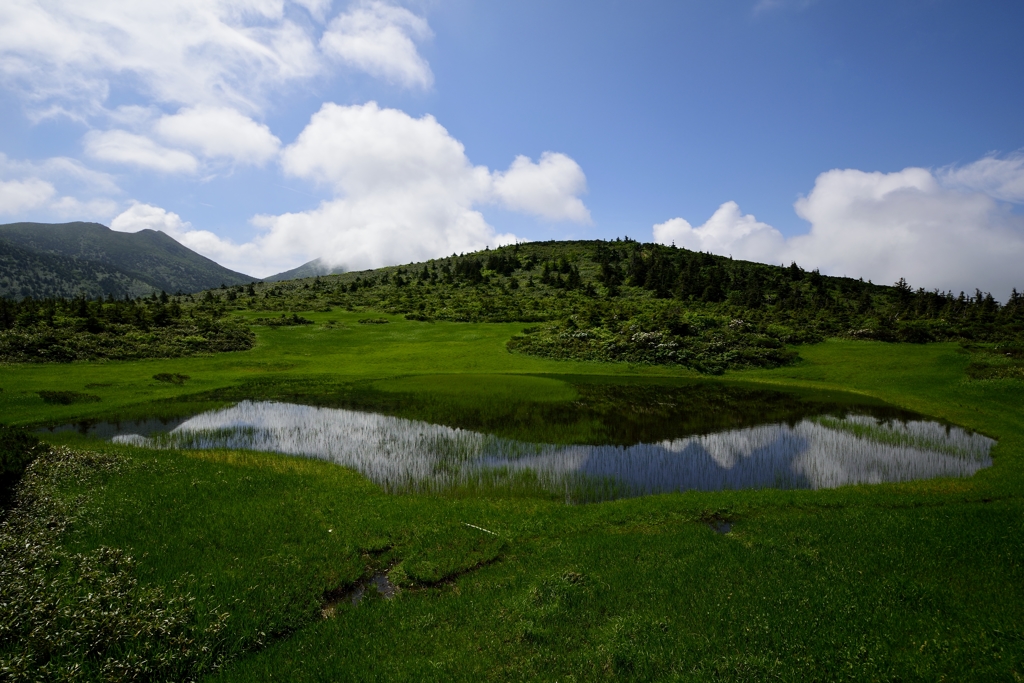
[(311, 269), (89, 259)]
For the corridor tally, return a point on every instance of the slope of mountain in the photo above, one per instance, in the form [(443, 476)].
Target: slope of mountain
[(24, 272), (70, 259), (312, 269)]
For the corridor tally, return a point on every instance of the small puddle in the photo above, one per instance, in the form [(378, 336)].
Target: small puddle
[(379, 582)]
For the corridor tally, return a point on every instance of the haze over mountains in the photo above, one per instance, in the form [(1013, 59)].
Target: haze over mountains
[(89, 259), (311, 269)]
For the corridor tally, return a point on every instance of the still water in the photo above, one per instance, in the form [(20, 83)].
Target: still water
[(400, 454)]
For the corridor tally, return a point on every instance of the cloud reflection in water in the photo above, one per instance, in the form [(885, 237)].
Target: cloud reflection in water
[(401, 454)]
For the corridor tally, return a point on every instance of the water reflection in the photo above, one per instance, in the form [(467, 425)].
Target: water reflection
[(410, 455)]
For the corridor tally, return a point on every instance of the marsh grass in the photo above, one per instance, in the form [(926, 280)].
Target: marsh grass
[(915, 434), (85, 615), (403, 456)]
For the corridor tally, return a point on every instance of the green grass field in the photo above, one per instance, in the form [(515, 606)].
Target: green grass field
[(917, 581)]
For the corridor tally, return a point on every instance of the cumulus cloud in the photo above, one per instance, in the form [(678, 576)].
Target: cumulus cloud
[(880, 226), (219, 132), (728, 232), (906, 224), (380, 39), (402, 190), (148, 217), (67, 55), (368, 232), (21, 195), (122, 147), (548, 189), (364, 149)]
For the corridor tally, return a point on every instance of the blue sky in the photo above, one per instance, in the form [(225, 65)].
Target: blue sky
[(874, 139)]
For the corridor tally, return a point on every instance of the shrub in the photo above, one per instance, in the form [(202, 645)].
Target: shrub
[(172, 378), (66, 398)]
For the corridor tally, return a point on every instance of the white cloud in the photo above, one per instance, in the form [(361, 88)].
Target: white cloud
[(380, 39), (403, 190), (60, 170), (999, 178), (371, 232), (218, 132), (317, 8), (880, 226), (148, 217), (728, 232), (73, 209), (548, 189), (122, 147), (38, 187), (22, 195), (363, 149), (66, 55)]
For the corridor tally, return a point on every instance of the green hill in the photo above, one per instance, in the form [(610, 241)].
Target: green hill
[(88, 259), (595, 301), (649, 303)]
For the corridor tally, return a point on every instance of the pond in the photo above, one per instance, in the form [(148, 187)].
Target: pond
[(807, 446)]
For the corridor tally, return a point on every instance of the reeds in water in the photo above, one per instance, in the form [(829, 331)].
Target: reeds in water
[(407, 455)]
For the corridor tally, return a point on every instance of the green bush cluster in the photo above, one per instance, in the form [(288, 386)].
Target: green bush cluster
[(61, 331), (171, 377), (705, 343), (66, 398), (283, 321)]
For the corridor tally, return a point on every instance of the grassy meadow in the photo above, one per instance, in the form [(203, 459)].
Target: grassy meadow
[(233, 565)]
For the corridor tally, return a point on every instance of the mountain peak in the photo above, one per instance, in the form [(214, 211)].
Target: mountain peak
[(90, 259)]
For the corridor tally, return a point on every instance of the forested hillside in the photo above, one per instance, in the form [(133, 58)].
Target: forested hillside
[(24, 272), (43, 260), (617, 301), (63, 330)]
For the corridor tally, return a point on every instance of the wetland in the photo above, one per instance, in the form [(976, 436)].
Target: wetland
[(612, 440), (890, 547)]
